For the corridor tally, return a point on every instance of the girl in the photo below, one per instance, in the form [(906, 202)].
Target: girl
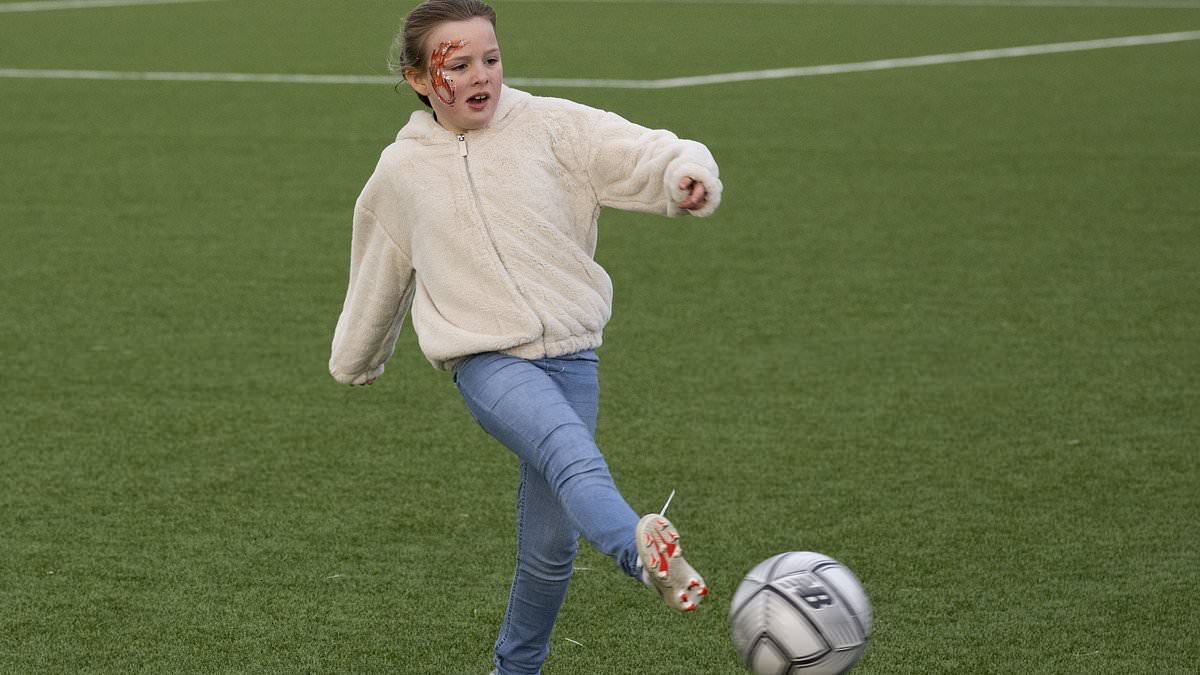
[(480, 220)]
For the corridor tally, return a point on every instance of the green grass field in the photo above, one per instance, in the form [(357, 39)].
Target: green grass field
[(945, 328)]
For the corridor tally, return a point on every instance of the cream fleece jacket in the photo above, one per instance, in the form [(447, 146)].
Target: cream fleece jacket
[(488, 237)]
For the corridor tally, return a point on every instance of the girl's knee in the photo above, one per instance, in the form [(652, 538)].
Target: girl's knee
[(552, 561)]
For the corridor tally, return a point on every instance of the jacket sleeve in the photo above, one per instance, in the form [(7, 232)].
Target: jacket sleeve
[(639, 169), (379, 296)]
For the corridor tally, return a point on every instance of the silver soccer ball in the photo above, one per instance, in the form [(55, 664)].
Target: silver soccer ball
[(800, 613)]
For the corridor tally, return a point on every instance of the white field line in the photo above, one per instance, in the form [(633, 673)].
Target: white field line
[(47, 5), (272, 78), (1085, 4), (669, 83), (882, 64)]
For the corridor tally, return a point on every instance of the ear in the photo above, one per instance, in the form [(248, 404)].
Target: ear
[(418, 80)]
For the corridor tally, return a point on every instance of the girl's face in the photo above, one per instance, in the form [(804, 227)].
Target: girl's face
[(464, 73)]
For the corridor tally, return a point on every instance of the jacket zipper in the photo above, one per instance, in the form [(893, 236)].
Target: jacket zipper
[(462, 151)]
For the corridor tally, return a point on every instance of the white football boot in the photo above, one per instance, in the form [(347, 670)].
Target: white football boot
[(661, 557)]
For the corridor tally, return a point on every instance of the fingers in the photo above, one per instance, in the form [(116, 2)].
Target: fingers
[(696, 196), (368, 378)]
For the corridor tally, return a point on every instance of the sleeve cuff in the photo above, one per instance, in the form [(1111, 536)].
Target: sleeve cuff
[(701, 174)]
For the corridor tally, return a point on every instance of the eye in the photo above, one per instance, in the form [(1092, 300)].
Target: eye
[(459, 67), (491, 61)]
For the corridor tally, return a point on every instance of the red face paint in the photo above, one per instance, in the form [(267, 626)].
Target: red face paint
[(443, 87)]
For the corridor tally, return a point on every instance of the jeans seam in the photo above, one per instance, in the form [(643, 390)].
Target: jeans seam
[(504, 630)]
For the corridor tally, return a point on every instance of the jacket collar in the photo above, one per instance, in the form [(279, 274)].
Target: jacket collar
[(422, 126)]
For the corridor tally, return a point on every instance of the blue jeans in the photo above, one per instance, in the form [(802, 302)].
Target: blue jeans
[(545, 412)]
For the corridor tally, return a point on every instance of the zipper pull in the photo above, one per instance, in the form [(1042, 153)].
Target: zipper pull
[(462, 145)]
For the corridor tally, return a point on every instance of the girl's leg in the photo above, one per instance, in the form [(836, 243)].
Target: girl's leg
[(546, 547), (564, 393), (521, 403)]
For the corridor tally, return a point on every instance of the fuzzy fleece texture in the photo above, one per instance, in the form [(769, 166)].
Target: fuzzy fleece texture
[(488, 239)]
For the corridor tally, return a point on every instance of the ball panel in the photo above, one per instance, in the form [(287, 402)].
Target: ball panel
[(744, 592), (843, 582), (790, 627), (822, 607), (768, 659), (834, 663), (797, 561), (747, 623)]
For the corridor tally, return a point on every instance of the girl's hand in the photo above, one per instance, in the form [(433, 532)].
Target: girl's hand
[(696, 194), (368, 378)]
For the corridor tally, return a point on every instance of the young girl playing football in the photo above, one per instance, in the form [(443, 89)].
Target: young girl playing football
[(480, 221)]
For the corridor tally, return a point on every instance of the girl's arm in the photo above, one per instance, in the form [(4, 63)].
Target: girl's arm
[(635, 168), (378, 298)]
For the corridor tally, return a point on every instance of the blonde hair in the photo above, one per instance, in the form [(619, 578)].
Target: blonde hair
[(408, 45)]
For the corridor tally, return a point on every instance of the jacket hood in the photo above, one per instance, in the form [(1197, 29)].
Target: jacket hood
[(422, 126)]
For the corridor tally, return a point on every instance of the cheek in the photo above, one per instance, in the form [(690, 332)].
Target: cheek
[(440, 109), (440, 81)]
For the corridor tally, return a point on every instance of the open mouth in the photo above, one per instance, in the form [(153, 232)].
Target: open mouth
[(478, 102)]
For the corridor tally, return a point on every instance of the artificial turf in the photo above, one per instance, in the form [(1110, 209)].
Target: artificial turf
[(945, 328)]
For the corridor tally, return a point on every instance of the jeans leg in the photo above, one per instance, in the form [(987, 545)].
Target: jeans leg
[(546, 547), (524, 404), (519, 403)]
